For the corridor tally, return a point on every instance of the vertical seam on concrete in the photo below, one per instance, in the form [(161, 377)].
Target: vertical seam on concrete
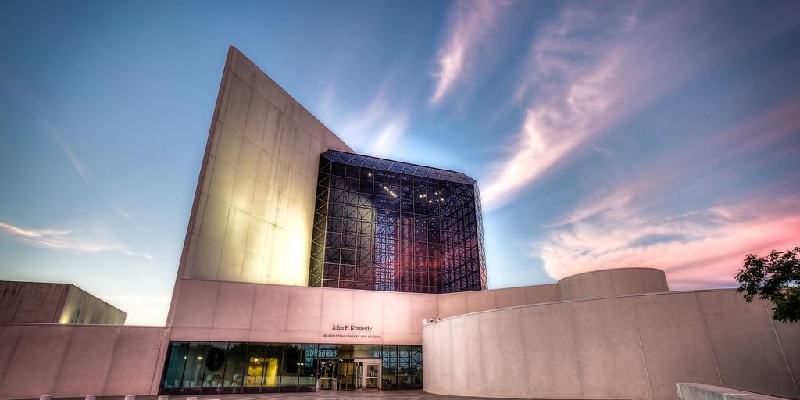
[(286, 313), (253, 310), (216, 301), (780, 346), (111, 361), (641, 349), (710, 342), (61, 362), (524, 353), (575, 340)]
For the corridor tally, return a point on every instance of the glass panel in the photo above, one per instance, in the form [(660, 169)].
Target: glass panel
[(176, 359), (416, 365), (306, 374), (389, 373), (372, 375), (404, 365), (273, 357), (291, 362), (214, 364), (255, 365), (193, 371), (235, 365)]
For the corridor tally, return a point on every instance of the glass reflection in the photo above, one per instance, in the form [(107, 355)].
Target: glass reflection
[(235, 367)]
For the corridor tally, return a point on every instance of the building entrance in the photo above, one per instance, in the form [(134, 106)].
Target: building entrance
[(348, 374)]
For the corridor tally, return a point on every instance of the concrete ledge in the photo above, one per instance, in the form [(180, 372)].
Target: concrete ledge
[(697, 391)]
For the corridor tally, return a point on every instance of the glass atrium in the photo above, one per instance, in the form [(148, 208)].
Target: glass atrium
[(394, 226)]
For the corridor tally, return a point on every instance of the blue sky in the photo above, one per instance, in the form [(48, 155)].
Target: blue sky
[(602, 134)]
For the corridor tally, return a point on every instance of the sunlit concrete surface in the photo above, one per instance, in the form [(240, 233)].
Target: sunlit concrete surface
[(254, 204), (35, 302)]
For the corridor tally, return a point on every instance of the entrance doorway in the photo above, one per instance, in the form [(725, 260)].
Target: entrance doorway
[(348, 374)]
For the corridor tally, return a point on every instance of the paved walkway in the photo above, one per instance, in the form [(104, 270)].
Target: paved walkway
[(383, 395)]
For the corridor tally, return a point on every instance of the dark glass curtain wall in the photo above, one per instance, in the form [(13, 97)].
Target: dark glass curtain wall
[(236, 367), (393, 226)]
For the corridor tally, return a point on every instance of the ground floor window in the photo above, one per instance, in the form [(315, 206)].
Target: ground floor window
[(239, 367)]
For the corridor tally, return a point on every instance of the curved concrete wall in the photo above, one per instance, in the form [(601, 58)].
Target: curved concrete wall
[(633, 347), (612, 282)]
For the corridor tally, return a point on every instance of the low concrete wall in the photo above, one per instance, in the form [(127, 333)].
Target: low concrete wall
[(36, 302), (612, 282), (79, 360), (633, 347)]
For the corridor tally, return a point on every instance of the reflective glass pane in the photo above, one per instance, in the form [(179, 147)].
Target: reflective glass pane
[(176, 360), (235, 365), (214, 364), (193, 370)]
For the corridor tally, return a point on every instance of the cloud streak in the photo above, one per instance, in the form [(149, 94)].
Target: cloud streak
[(469, 30), (123, 213), (65, 240), (79, 166)]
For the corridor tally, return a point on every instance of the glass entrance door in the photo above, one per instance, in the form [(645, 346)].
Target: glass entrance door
[(372, 375), (349, 375), (327, 373), (340, 374)]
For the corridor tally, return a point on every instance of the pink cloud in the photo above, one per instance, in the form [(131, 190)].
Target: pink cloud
[(702, 253), (633, 224)]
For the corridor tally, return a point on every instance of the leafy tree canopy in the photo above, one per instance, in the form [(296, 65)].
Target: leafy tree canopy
[(775, 277)]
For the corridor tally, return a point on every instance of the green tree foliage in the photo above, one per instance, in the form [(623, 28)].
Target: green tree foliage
[(775, 277)]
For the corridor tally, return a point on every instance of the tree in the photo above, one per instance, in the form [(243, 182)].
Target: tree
[(775, 277)]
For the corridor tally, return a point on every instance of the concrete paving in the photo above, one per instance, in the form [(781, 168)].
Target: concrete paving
[(383, 395)]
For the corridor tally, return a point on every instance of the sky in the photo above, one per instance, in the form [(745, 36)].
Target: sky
[(602, 134)]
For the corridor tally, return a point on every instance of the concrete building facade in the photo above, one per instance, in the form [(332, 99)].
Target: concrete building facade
[(243, 317), (60, 303)]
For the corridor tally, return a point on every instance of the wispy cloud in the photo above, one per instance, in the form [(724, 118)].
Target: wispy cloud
[(593, 67), (470, 25), (573, 70), (123, 213), (65, 240), (74, 160), (376, 128)]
